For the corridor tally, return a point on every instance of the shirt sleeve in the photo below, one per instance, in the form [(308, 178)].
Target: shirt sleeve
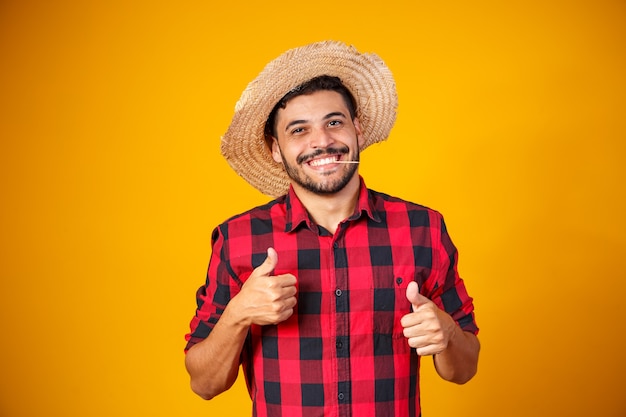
[(214, 295), (450, 293)]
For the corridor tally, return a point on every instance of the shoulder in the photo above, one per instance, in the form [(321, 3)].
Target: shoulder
[(257, 220), (391, 204), (266, 210), (399, 212)]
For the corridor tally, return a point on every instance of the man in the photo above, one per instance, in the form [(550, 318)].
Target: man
[(328, 295)]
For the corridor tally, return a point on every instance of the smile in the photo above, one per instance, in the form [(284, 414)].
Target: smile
[(324, 161)]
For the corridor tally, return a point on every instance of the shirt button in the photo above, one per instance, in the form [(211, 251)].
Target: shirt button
[(341, 396), (339, 344), (399, 280), (338, 292)]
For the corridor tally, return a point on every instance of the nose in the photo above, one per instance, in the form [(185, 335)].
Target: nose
[(320, 138)]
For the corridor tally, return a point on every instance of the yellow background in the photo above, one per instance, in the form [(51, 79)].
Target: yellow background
[(512, 122)]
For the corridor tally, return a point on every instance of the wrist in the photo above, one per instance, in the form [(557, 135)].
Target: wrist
[(453, 330), (233, 317)]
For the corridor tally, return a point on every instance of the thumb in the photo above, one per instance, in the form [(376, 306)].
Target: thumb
[(267, 267), (413, 295)]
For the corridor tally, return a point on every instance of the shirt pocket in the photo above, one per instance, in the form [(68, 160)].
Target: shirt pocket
[(390, 304)]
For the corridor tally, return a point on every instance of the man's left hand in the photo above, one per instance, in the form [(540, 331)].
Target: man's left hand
[(428, 329)]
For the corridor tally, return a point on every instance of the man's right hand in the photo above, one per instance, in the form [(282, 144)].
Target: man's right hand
[(265, 298)]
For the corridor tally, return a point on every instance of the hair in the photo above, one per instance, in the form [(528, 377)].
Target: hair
[(321, 83)]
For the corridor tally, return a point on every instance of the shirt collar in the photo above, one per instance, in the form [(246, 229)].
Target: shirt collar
[(297, 215)]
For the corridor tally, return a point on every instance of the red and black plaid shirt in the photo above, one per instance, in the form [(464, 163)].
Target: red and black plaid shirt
[(342, 353)]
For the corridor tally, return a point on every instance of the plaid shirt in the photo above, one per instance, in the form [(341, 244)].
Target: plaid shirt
[(342, 353)]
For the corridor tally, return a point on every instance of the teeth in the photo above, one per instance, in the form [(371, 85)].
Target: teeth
[(324, 161)]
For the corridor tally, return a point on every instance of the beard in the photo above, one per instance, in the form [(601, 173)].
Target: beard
[(326, 187)]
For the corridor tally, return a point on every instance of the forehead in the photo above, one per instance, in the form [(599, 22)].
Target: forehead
[(308, 106)]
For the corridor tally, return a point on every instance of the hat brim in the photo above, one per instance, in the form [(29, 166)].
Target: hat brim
[(366, 76)]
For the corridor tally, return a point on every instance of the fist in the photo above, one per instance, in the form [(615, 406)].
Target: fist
[(265, 298), (427, 329)]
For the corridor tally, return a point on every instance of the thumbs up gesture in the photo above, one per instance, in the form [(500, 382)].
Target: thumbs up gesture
[(265, 298), (428, 328)]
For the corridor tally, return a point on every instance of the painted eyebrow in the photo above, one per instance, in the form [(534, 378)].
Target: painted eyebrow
[(328, 116)]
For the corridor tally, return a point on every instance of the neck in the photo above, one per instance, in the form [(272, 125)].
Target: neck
[(328, 210)]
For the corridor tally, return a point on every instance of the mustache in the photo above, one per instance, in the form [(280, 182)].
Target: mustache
[(320, 152)]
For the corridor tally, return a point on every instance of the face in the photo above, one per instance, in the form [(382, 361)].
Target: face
[(314, 132)]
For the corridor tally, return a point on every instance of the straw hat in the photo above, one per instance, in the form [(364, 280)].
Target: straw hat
[(366, 76)]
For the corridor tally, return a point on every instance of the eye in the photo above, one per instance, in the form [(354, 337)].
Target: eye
[(297, 130), (335, 123)]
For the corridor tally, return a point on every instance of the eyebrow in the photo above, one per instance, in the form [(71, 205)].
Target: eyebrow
[(328, 116)]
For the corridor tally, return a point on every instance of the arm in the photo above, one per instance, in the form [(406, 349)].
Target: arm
[(264, 299), (213, 363), (432, 331), (458, 362)]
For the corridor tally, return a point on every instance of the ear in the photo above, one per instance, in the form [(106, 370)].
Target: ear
[(276, 154), (359, 134)]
